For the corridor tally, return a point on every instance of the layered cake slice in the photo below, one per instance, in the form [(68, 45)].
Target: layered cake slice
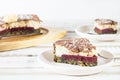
[(75, 51), (105, 26), (19, 24)]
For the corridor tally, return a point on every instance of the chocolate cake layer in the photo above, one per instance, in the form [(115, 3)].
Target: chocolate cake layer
[(105, 31), (77, 60)]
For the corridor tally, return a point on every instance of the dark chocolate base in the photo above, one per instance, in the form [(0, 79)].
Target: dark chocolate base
[(19, 31), (76, 61), (105, 31)]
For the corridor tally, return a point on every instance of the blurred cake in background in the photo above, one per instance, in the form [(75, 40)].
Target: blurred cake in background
[(20, 24), (105, 26), (75, 51)]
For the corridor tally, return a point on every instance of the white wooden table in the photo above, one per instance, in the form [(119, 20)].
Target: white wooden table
[(25, 64)]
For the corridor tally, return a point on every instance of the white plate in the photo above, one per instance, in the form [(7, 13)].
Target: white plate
[(68, 69), (88, 32)]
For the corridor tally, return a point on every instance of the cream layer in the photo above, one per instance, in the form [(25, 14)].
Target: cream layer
[(60, 50)]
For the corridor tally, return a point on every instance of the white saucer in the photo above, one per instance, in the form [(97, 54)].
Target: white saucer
[(68, 69), (88, 32)]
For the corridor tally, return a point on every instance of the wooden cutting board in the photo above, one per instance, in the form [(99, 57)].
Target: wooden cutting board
[(49, 35)]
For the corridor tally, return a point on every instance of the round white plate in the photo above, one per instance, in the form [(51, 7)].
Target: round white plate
[(88, 32), (68, 69)]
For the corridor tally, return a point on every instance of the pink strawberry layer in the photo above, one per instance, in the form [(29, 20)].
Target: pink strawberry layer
[(107, 30), (16, 29), (80, 58)]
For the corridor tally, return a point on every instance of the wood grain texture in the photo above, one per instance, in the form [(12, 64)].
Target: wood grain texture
[(29, 41)]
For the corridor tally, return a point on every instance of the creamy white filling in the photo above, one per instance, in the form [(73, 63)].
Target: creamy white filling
[(10, 18), (2, 28), (114, 27), (60, 50), (17, 24), (35, 24), (30, 23)]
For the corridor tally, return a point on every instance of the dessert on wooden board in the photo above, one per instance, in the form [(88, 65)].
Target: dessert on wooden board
[(20, 24), (25, 30)]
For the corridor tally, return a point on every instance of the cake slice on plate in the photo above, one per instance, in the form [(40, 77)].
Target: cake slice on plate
[(75, 51), (105, 26)]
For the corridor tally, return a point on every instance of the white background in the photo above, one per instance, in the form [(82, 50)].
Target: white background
[(63, 9)]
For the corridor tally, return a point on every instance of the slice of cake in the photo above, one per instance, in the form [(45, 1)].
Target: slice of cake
[(19, 24), (77, 51), (105, 26)]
